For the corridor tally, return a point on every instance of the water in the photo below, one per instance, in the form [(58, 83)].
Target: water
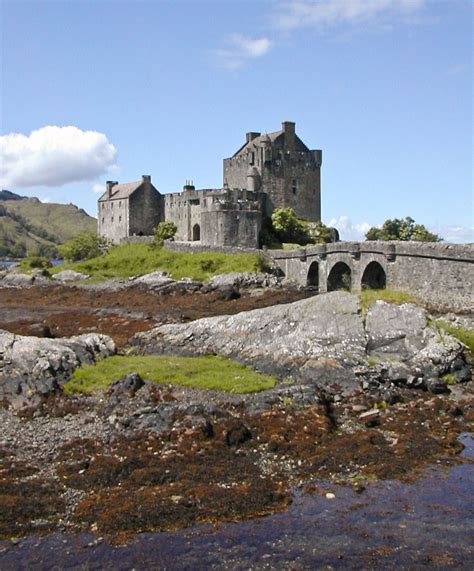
[(391, 525), (8, 263)]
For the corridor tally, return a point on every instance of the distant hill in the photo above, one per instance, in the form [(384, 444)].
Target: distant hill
[(8, 195), (31, 227)]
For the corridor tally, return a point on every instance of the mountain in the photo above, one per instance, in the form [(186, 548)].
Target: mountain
[(31, 227)]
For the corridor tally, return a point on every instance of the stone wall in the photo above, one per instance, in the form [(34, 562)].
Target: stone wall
[(145, 210), (113, 220), (190, 247)]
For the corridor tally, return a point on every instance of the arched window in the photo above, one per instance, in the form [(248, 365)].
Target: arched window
[(196, 233)]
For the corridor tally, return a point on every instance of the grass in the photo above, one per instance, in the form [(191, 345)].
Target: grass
[(369, 296), (138, 259), (209, 372), (463, 334)]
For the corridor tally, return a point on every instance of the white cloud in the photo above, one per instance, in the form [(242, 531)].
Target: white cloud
[(241, 49), (293, 14), (454, 234), (98, 188), (348, 230), (46, 200), (54, 156)]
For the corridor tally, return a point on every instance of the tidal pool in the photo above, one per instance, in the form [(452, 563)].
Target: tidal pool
[(389, 525)]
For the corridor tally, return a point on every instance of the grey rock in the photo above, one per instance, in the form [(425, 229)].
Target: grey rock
[(14, 279), (36, 367), (436, 386), (154, 279), (127, 386), (395, 328), (70, 276)]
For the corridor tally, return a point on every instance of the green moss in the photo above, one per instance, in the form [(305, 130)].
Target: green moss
[(369, 296), (209, 372), (463, 334), (449, 379), (138, 259)]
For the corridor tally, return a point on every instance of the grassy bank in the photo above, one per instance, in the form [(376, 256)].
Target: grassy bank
[(209, 372), (369, 296), (138, 259), (463, 334)]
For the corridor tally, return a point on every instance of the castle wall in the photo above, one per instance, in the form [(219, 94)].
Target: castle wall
[(113, 220), (231, 227), (145, 210)]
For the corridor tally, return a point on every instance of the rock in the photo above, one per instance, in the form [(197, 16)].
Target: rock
[(395, 328), (128, 385), (32, 366), (370, 418), (324, 332), (436, 386), (154, 279), (245, 280), (14, 279), (70, 276)]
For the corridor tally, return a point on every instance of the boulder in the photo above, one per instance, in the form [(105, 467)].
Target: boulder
[(70, 276), (33, 366), (323, 340)]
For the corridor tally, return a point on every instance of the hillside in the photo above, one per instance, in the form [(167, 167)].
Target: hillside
[(31, 227)]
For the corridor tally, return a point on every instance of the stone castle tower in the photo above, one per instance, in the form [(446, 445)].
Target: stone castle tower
[(282, 166)]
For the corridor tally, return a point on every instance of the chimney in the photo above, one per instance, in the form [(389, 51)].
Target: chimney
[(251, 136), (146, 178), (109, 185), (288, 128)]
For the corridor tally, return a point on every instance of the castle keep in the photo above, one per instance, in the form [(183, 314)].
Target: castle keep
[(274, 170)]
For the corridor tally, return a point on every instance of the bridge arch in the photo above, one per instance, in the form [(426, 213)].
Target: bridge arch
[(312, 278), (340, 277), (374, 276)]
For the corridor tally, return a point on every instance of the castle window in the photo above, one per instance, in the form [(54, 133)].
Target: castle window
[(103, 220), (112, 219), (120, 219), (294, 186), (120, 204), (111, 205)]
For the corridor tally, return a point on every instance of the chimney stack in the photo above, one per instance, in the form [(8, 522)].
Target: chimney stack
[(109, 185), (251, 136), (288, 128), (146, 178)]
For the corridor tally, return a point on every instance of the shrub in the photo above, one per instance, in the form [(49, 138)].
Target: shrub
[(398, 229), (287, 227), (85, 246), (35, 263), (164, 231)]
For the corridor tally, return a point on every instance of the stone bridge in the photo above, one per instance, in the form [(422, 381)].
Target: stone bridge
[(440, 274)]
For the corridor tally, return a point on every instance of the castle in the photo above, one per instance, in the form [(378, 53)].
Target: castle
[(274, 170)]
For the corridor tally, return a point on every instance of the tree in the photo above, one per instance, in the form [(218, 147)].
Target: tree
[(402, 229), (164, 231), (287, 227), (83, 247)]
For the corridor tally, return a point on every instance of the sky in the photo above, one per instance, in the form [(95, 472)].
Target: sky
[(111, 90)]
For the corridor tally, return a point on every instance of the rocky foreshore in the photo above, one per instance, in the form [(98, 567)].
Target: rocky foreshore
[(362, 395)]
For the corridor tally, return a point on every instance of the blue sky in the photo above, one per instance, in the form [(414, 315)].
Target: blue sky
[(112, 90)]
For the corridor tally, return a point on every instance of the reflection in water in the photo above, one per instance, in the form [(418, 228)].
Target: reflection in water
[(389, 525)]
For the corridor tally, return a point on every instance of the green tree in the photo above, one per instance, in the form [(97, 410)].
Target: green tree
[(319, 233), (83, 247), (287, 227), (402, 229), (164, 231)]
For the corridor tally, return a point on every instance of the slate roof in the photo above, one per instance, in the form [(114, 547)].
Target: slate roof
[(120, 191), (272, 137)]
